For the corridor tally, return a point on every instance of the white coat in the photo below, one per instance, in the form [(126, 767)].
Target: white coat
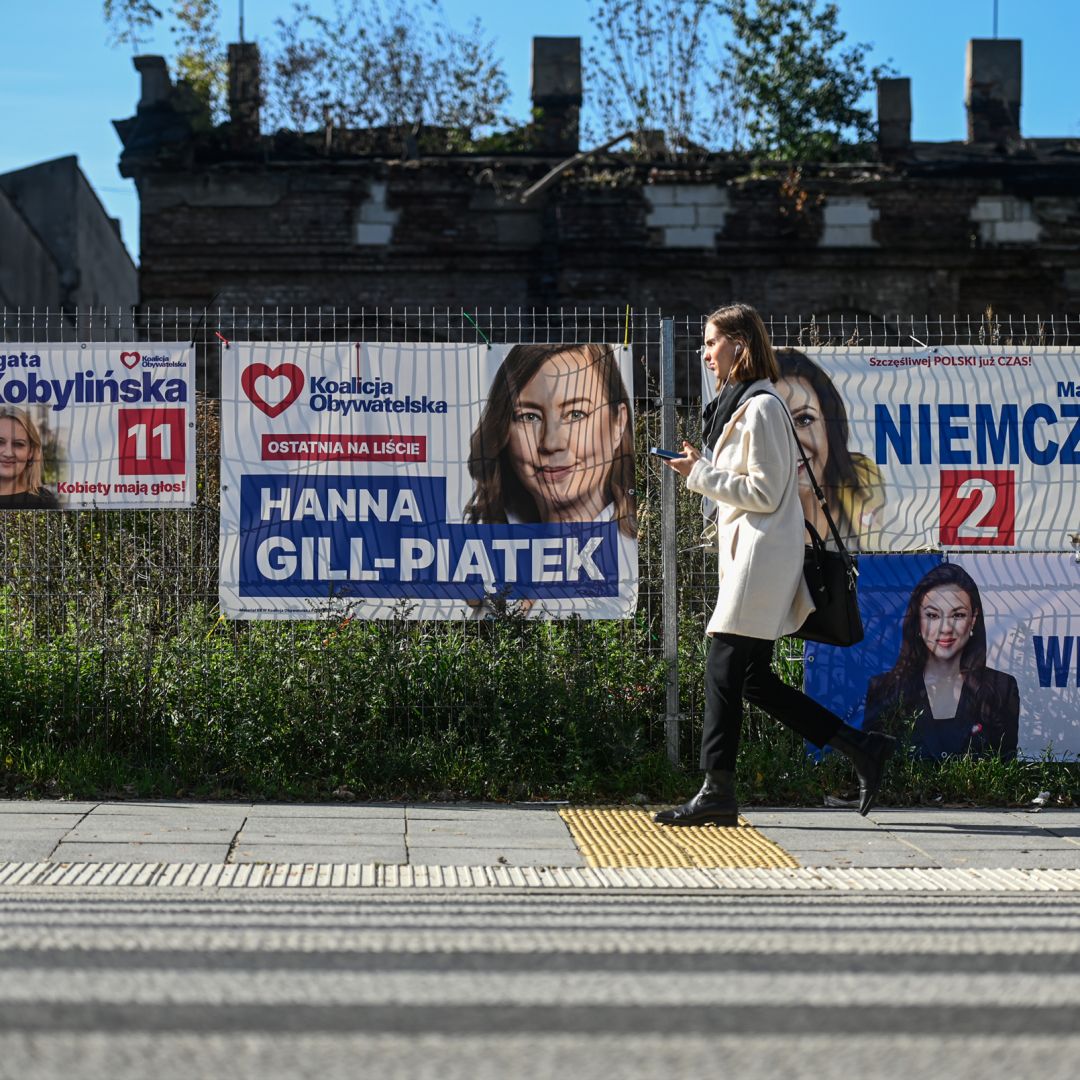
[(759, 523)]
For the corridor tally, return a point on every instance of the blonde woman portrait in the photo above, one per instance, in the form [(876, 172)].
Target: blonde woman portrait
[(21, 463)]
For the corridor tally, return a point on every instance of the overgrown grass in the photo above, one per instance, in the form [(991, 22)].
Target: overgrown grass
[(119, 679), (509, 709), (502, 709)]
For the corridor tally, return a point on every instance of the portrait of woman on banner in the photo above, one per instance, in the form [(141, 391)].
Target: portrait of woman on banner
[(940, 678), (555, 444), (852, 483), (22, 459)]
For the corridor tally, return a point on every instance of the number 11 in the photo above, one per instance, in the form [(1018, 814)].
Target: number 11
[(163, 433)]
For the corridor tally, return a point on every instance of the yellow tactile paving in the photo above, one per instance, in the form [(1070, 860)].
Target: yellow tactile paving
[(628, 836)]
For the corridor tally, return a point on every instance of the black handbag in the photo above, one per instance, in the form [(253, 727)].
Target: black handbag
[(832, 578)]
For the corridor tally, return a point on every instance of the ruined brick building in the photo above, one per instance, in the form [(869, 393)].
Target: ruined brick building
[(367, 218)]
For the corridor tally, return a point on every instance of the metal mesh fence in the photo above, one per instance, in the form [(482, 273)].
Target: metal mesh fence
[(156, 570)]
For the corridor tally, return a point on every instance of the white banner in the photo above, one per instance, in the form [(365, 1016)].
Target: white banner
[(107, 425), (948, 448), (427, 481)]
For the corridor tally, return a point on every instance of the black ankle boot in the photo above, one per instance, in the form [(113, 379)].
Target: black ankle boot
[(868, 752), (714, 804)]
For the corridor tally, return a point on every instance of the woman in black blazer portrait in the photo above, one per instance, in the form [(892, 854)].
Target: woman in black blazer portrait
[(961, 706)]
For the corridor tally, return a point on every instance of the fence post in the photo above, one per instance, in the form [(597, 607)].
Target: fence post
[(668, 539)]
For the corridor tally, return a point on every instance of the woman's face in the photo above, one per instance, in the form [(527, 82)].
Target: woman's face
[(718, 353), (805, 408), (946, 620), (564, 437), (15, 451)]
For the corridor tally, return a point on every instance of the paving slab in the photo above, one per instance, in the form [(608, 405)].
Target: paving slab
[(28, 847), (31, 833), (1040, 859), (830, 818), (946, 816), (32, 806), (796, 840), (914, 837), (864, 859), (16, 820), (162, 822), (11, 837), (329, 830), (465, 811), (169, 807), (497, 821), (488, 839), (148, 833), (343, 811), (975, 835), (151, 852), (1058, 816), (425, 855), (1066, 829), (319, 852)]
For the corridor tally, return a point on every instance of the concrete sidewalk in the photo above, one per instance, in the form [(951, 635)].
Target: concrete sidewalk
[(521, 835)]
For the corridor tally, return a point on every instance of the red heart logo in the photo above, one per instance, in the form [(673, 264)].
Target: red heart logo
[(129, 359), (282, 371)]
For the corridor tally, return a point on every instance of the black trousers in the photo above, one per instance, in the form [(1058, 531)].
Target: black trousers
[(741, 667)]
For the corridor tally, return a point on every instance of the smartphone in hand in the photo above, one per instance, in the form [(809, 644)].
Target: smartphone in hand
[(667, 455)]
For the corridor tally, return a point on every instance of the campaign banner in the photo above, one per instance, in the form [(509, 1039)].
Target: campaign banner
[(951, 448), (105, 425), (427, 481), (971, 653)]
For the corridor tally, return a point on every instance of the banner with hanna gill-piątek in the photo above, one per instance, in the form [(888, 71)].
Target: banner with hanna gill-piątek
[(104, 425), (947, 448), (427, 481)]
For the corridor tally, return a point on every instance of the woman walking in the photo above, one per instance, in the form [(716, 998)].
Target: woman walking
[(752, 478)]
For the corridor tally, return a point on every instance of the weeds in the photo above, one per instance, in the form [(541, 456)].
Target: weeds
[(120, 679)]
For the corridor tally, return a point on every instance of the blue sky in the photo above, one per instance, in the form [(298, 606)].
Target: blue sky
[(63, 84)]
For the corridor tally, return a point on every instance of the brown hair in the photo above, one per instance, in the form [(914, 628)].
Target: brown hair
[(840, 471), (913, 651), (32, 474), (499, 491), (742, 324)]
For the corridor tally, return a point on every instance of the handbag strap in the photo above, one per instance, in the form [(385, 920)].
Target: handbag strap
[(849, 561)]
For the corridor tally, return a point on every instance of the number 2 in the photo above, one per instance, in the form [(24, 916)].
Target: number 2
[(973, 528), (977, 508)]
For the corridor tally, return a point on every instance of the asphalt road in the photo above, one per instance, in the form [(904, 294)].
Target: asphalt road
[(353, 983)]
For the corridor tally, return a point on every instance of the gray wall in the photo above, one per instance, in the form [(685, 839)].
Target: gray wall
[(58, 203), (29, 276)]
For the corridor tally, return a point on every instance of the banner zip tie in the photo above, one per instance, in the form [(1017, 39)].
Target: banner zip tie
[(478, 330)]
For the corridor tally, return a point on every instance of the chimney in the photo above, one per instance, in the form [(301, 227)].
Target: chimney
[(992, 92), (893, 116), (156, 84), (556, 92), (245, 93)]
